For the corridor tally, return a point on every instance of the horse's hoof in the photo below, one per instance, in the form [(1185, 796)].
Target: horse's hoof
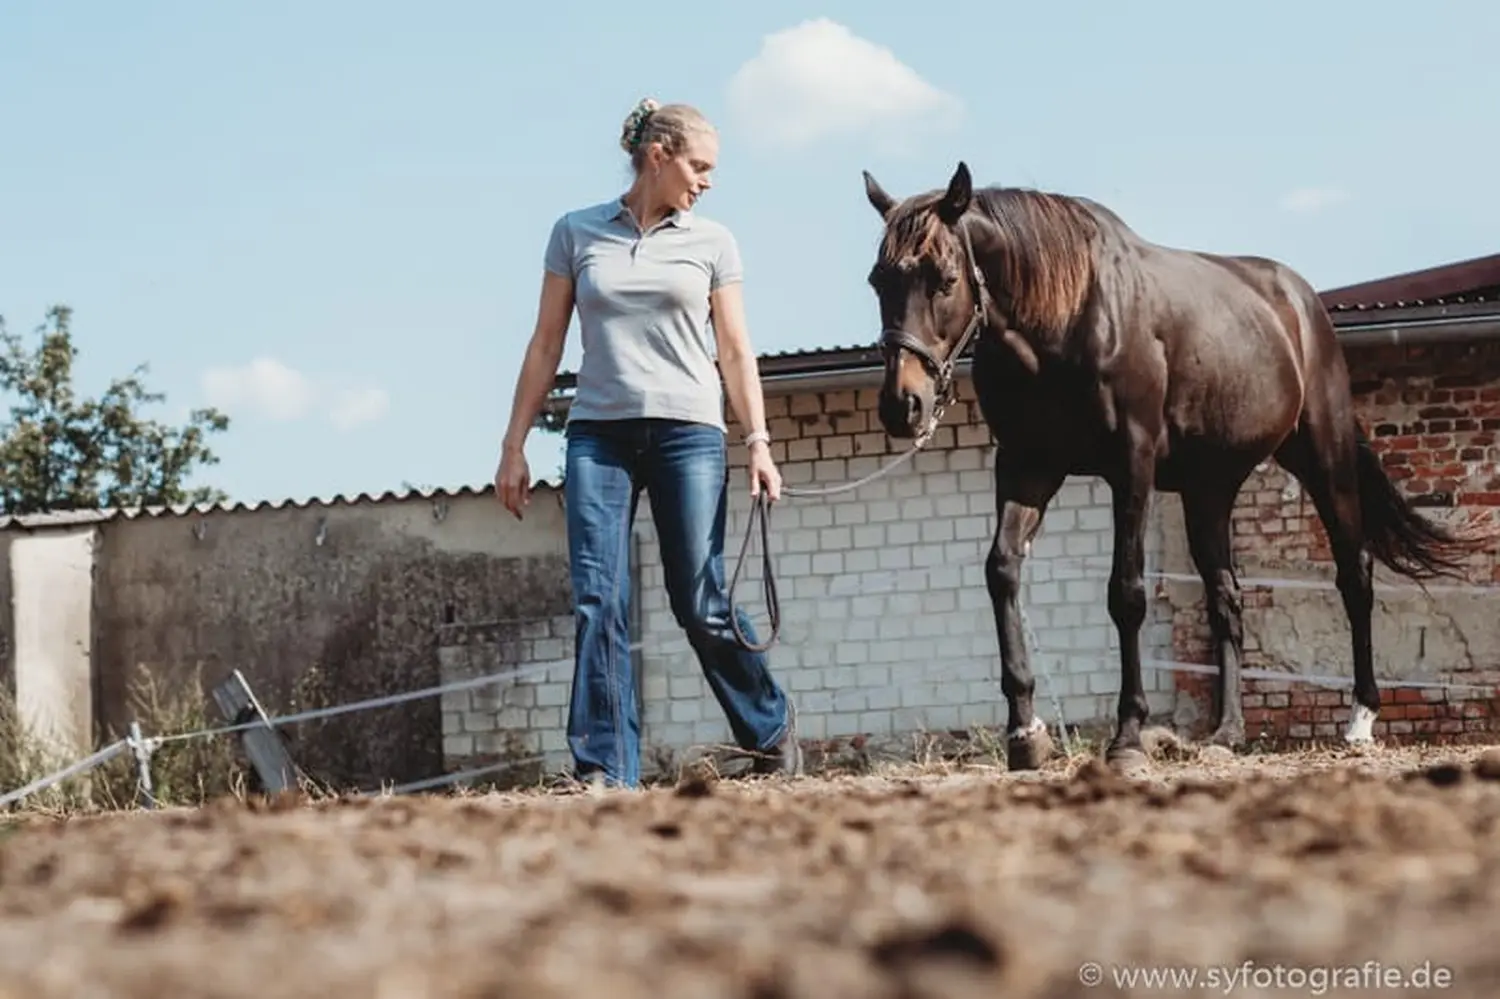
[(1229, 734), (1029, 748), (1128, 762), (1361, 730)]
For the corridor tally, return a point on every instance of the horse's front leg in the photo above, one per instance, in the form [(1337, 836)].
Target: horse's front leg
[(1021, 498), (1127, 601)]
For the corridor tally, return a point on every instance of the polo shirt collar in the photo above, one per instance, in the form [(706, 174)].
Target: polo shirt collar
[(677, 217)]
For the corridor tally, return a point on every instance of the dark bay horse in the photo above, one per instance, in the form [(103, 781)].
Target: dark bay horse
[(1097, 352)]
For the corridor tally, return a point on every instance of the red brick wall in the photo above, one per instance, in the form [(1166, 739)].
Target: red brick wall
[(1433, 415)]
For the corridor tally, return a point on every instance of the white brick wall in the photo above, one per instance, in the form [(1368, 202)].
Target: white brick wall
[(511, 718), (886, 623)]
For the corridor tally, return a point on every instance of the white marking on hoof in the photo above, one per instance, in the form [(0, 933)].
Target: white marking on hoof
[(1037, 725), (1361, 725)]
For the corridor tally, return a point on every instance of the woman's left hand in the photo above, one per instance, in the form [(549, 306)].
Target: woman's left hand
[(763, 472)]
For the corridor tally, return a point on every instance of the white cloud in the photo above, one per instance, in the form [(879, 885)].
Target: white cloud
[(265, 385), (354, 407), (818, 79), (275, 391), (1313, 199)]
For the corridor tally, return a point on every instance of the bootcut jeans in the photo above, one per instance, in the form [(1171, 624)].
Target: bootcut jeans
[(683, 468)]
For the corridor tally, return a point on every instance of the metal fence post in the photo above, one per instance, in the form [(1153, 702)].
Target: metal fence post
[(144, 794)]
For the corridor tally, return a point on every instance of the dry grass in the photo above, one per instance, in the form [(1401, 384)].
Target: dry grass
[(184, 773)]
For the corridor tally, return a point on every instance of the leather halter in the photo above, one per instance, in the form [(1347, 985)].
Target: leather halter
[(893, 340)]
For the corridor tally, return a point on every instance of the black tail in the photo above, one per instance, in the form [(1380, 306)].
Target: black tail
[(1401, 537)]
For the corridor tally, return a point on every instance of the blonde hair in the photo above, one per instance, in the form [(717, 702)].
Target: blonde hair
[(667, 124)]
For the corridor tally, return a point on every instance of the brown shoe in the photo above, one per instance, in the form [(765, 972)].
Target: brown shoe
[(786, 756)]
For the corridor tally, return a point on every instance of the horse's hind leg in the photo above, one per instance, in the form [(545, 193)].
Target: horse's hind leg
[(1021, 498), (1325, 464), (1206, 511)]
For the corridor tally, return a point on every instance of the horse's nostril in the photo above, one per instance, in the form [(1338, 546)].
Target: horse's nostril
[(913, 407)]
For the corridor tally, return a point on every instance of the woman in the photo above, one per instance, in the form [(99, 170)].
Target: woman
[(648, 276)]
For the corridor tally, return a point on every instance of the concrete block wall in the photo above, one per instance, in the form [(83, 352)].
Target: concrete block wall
[(511, 720), (887, 629)]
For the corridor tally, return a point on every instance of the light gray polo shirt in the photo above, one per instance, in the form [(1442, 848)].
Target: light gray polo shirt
[(643, 309)]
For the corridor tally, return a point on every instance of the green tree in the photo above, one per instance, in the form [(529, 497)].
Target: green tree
[(62, 451)]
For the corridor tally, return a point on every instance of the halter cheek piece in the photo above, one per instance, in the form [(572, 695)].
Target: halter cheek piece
[(893, 340)]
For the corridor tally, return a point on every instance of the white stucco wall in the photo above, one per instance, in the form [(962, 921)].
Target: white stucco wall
[(51, 619)]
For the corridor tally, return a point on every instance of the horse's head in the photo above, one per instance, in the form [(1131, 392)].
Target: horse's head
[(928, 289)]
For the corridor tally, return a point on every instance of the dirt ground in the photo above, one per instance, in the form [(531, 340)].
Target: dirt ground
[(1335, 874)]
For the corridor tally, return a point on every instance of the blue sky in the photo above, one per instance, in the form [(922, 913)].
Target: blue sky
[(329, 217)]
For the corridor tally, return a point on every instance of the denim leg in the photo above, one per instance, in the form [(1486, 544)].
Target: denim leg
[(685, 473), (601, 497)]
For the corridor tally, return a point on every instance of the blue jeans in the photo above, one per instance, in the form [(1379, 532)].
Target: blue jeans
[(683, 467)]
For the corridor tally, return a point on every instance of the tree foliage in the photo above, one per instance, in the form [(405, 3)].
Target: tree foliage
[(62, 451)]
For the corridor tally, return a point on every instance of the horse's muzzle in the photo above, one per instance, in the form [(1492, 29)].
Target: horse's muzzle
[(904, 412)]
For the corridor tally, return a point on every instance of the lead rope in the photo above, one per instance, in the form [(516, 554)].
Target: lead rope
[(760, 510)]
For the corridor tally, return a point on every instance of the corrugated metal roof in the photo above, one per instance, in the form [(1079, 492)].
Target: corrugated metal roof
[(68, 518)]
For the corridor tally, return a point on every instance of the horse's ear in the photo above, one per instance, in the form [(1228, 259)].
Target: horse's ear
[(956, 199), (882, 202)]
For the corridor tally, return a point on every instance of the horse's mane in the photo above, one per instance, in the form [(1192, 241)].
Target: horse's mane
[(1047, 264)]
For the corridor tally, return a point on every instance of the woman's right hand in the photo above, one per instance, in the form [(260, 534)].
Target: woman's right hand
[(513, 476), (513, 481)]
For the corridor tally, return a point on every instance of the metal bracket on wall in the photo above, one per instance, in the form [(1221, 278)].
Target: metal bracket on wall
[(263, 744)]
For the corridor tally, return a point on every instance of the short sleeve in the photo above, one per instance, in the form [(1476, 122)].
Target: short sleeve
[(559, 256), (728, 268)]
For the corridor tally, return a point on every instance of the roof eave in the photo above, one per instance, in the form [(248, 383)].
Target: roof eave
[(91, 516), (1444, 281)]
